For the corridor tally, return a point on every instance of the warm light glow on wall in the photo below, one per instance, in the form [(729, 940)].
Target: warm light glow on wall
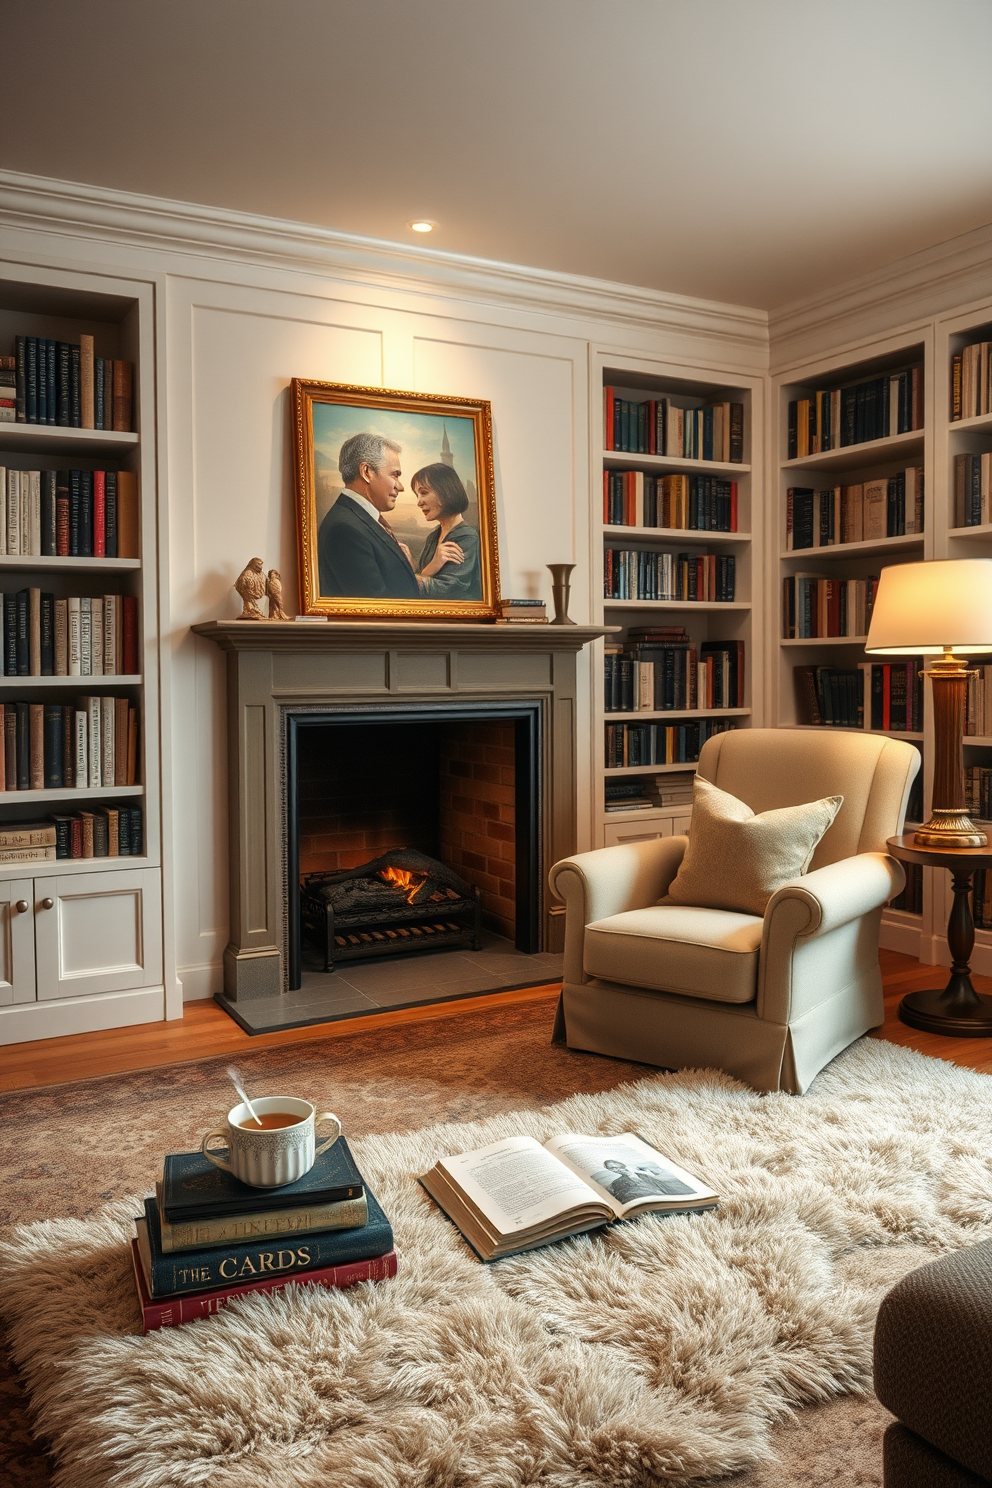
[(423, 225)]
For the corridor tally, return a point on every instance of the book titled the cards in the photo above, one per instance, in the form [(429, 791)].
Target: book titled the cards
[(516, 1195)]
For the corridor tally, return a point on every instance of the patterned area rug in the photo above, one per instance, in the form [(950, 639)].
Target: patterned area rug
[(660, 1351)]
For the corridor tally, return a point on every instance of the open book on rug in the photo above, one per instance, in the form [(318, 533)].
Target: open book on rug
[(516, 1195)]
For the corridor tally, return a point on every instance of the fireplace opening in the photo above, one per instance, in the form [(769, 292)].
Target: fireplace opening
[(410, 829)]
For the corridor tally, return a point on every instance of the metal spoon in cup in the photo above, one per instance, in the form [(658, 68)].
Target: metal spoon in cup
[(235, 1080)]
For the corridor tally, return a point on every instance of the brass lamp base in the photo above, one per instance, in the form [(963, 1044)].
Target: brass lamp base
[(949, 828)]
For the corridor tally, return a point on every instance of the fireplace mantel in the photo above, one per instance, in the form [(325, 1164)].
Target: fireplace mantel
[(275, 667)]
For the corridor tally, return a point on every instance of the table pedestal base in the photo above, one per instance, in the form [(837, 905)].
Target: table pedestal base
[(957, 1009)]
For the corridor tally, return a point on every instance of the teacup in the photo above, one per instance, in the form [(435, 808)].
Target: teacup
[(270, 1158)]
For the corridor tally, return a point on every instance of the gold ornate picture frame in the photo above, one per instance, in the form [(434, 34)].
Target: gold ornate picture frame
[(395, 503)]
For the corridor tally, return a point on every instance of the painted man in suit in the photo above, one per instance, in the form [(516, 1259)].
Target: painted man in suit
[(357, 554)]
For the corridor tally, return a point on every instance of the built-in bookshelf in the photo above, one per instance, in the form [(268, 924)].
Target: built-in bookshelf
[(852, 497), (676, 568), (963, 529), (80, 927)]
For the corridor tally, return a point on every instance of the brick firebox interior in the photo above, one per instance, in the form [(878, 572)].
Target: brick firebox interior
[(444, 788)]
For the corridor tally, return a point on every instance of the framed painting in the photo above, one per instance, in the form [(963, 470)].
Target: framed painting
[(395, 503)]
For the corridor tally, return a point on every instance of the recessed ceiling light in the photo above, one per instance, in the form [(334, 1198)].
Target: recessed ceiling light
[(423, 225)]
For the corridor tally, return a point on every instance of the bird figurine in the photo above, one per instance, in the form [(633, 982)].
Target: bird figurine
[(250, 585), (274, 590)]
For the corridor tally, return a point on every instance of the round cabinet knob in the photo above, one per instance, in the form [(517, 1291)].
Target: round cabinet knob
[(48, 903), (22, 906)]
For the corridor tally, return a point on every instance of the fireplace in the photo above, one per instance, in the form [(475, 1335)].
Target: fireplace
[(283, 678)]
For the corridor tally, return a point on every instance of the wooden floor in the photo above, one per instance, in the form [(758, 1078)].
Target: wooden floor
[(205, 1031)]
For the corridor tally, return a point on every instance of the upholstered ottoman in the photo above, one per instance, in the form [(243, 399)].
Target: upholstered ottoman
[(933, 1370)]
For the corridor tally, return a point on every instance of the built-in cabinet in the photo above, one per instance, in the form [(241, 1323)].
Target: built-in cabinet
[(81, 939)]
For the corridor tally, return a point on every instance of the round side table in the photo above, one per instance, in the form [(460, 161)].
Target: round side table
[(956, 1009)]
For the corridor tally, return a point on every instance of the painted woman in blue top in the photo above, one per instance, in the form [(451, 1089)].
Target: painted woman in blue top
[(449, 563)]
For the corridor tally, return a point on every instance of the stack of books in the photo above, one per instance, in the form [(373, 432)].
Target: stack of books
[(206, 1237), (626, 795), (524, 611), (670, 790), (104, 832)]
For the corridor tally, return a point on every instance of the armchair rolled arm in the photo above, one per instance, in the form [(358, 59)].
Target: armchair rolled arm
[(808, 909), (610, 881)]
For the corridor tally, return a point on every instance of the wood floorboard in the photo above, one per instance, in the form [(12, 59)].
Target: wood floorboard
[(205, 1032)]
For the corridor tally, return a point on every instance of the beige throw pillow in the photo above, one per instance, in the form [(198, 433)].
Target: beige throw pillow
[(736, 860)]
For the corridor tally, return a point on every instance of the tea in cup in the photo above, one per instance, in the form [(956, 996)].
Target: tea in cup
[(279, 1151)]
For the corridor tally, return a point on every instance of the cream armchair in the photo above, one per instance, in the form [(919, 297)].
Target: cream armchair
[(770, 1000)]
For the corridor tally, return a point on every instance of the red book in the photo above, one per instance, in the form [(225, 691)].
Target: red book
[(99, 514), (170, 1312), (608, 431), (733, 509), (130, 608)]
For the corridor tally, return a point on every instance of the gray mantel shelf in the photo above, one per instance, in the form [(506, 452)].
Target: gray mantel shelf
[(277, 635), (280, 669)]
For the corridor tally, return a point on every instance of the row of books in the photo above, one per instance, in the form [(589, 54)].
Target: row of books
[(523, 611), (662, 678), (970, 392), (978, 714), (205, 1238), (692, 503), (873, 695), (636, 573), (69, 513), (911, 898), (631, 744), (84, 636), (104, 832), (649, 793), (814, 605), (88, 744), (659, 426), (64, 383), (978, 792), (864, 512), (981, 899), (874, 409), (972, 484)]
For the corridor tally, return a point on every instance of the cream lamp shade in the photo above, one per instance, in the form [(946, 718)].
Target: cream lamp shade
[(928, 608)]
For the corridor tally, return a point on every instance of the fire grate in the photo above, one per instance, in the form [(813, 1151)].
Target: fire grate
[(400, 902)]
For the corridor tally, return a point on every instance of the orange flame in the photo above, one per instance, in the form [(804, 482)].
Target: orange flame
[(407, 883)]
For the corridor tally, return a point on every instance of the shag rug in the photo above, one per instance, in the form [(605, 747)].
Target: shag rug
[(659, 1351)]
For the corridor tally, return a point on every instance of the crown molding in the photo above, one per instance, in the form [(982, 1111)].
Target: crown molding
[(921, 285), (43, 204)]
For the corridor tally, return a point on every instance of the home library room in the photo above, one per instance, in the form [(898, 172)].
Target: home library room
[(853, 497), (80, 883), (672, 529)]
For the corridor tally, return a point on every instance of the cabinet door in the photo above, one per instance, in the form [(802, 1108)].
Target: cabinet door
[(615, 834), (16, 942), (680, 825), (97, 933)]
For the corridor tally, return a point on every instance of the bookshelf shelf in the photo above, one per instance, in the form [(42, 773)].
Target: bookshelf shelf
[(980, 424), (823, 641), (675, 534), (878, 545), (44, 684), (836, 728), (49, 439), (35, 563), (650, 770), (63, 867), (983, 529), (858, 456), (675, 715), (88, 793), (673, 604), (620, 460), (979, 741)]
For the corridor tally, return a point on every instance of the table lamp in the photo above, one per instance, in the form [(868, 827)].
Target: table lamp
[(941, 609)]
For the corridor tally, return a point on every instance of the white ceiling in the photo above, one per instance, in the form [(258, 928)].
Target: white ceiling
[(751, 151)]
